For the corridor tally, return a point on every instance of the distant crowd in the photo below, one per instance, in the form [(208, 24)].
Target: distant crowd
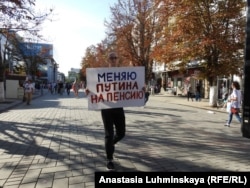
[(58, 87)]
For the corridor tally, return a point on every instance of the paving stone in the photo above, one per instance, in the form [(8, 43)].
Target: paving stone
[(57, 142)]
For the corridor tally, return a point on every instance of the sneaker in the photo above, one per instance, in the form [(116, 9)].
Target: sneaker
[(227, 125), (110, 166)]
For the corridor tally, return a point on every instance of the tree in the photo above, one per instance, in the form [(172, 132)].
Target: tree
[(210, 31), (95, 56), (20, 16), (17, 16), (134, 30), (34, 55), (7, 55)]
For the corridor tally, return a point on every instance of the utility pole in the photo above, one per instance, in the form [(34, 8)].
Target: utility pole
[(245, 124)]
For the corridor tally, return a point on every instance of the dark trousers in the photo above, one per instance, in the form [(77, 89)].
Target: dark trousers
[(68, 91), (198, 96), (146, 96), (189, 95), (113, 117)]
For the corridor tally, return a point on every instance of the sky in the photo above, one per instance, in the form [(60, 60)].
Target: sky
[(76, 25)]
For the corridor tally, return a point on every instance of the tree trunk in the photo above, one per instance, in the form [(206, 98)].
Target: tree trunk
[(213, 93)]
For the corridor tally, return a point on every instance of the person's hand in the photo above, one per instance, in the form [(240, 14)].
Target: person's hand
[(87, 91), (143, 89)]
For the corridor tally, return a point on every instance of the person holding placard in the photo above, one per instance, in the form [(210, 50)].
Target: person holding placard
[(112, 118)]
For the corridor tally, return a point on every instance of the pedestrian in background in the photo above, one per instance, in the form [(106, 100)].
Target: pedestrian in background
[(41, 87), (68, 87), (222, 91), (28, 89), (198, 92), (60, 88), (147, 94), (152, 85), (235, 99), (75, 87), (189, 92)]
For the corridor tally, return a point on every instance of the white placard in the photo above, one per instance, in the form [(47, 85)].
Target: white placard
[(115, 87)]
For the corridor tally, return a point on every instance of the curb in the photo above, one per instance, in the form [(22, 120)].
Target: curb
[(16, 103)]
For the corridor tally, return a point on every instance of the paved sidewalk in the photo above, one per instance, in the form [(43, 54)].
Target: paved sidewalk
[(11, 103), (204, 103), (182, 100), (56, 142)]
